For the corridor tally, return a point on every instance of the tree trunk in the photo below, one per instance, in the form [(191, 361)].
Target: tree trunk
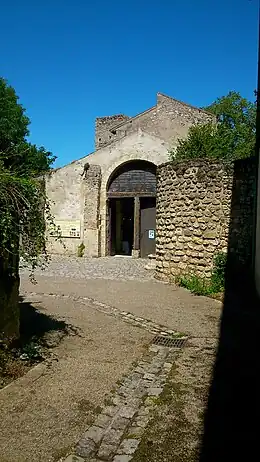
[(9, 298)]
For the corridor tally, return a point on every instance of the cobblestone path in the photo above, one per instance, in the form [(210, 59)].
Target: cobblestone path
[(113, 268), (116, 433)]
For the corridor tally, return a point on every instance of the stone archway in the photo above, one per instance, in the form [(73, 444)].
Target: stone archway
[(131, 209)]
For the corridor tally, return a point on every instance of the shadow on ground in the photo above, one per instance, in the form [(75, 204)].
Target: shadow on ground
[(36, 324), (39, 332), (231, 421)]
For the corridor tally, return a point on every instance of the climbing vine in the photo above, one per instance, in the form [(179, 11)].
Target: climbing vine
[(24, 215)]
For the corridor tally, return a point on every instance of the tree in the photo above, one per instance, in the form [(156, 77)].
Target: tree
[(23, 205), (231, 137), (17, 153), (13, 121)]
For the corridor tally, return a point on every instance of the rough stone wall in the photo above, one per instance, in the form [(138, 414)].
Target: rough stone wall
[(241, 227), (204, 208), (103, 124), (91, 212), (193, 212), (169, 120)]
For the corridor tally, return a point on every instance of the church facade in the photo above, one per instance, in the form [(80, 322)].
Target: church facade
[(106, 201)]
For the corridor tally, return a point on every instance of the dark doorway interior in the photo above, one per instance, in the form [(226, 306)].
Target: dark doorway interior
[(148, 226), (122, 226)]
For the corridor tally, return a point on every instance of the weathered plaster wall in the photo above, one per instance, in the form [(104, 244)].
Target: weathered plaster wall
[(66, 188), (63, 188), (204, 208), (169, 119)]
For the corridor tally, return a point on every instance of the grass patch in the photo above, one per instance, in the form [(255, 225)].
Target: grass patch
[(174, 432), (168, 431), (197, 285), (209, 287)]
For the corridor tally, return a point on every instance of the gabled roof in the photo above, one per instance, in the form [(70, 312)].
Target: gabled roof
[(121, 124), (186, 104), (113, 127)]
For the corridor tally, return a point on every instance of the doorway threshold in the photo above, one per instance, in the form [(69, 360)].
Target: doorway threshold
[(123, 256)]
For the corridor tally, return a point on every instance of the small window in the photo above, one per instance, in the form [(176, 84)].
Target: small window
[(114, 132), (99, 139)]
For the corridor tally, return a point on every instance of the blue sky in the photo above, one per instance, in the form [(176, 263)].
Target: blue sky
[(73, 60)]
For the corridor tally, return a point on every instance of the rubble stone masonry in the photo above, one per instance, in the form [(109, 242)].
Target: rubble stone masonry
[(202, 208)]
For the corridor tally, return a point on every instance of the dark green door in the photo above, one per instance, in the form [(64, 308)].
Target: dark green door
[(148, 226)]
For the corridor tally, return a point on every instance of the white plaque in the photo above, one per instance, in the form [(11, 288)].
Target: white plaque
[(68, 228)]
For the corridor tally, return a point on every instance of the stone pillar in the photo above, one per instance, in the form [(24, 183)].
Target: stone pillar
[(91, 211), (136, 245)]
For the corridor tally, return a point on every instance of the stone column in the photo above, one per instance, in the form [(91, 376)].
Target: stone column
[(91, 210), (136, 245)]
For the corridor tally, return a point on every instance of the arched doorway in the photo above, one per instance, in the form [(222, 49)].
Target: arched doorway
[(131, 209)]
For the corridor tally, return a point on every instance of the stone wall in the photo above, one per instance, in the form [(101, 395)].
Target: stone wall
[(72, 196), (104, 124), (193, 210), (170, 120), (242, 216), (64, 191), (91, 212), (203, 208)]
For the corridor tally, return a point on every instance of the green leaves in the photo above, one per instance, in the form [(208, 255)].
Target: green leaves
[(199, 143), (24, 208), (17, 154), (232, 137), (13, 121), (24, 212), (214, 285)]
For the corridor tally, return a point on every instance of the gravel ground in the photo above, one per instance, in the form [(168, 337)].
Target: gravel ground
[(43, 418), (123, 268), (164, 304)]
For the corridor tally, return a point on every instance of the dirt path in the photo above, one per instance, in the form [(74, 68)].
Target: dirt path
[(45, 414), (172, 306), (42, 417)]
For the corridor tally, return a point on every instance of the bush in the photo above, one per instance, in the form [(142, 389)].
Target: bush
[(202, 286), (195, 284), (219, 270), (81, 249)]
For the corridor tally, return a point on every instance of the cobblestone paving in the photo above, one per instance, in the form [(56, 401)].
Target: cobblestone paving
[(118, 429), (118, 268)]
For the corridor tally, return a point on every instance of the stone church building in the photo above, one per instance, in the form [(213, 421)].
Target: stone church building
[(107, 199)]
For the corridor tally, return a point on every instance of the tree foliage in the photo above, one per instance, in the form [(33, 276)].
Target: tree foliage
[(230, 137), (23, 205), (17, 154)]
